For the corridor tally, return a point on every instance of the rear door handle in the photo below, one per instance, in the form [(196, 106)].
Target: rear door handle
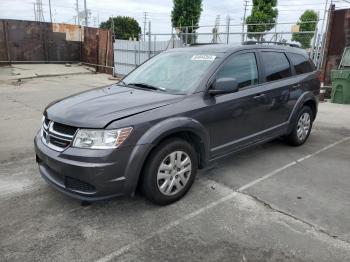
[(260, 96), (296, 86)]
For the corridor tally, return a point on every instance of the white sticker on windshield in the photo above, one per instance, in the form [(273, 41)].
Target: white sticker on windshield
[(203, 58)]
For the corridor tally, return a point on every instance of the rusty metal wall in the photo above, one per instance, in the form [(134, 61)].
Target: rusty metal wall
[(98, 48), (338, 37), (37, 41)]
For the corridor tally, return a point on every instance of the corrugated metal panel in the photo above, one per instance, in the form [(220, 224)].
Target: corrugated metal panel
[(129, 54)]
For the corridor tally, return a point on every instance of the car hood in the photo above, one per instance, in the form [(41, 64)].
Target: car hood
[(99, 107)]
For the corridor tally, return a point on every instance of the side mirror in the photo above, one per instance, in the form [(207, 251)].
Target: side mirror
[(224, 86)]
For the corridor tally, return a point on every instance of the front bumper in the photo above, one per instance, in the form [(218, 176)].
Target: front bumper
[(87, 174)]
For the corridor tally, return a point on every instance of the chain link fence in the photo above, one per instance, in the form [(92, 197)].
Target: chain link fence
[(129, 54)]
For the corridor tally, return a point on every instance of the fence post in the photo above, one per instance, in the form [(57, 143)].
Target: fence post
[(228, 29), (135, 54), (149, 40), (313, 44), (139, 51), (154, 44), (186, 35), (317, 50)]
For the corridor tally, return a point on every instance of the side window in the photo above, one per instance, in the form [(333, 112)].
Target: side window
[(276, 65), (243, 67), (301, 64)]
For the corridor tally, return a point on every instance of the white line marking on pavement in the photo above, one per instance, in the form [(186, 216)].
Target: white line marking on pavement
[(177, 222), (275, 172)]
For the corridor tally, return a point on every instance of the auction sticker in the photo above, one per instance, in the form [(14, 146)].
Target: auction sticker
[(203, 58)]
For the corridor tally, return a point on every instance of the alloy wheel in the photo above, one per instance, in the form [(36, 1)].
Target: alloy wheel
[(174, 173), (304, 125)]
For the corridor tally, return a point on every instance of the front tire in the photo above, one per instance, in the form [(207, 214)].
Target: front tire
[(302, 127), (169, 172)]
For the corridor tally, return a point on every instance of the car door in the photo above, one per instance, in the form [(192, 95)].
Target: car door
[(277, 88), (306, 76), (234, 119)]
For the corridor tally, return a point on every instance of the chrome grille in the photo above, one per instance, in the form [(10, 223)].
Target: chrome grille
[(57, 136)]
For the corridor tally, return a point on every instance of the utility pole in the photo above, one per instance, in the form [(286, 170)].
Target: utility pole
[(228, 21), (50, 11), (149, 40), (39, 11), (243, 22), (323, 36), (215, 29), (113, 27), (77, 9), (144, 25), (86, 14), (35, 13)]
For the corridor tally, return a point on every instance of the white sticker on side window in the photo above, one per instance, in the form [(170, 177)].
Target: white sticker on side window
[(203, 58)]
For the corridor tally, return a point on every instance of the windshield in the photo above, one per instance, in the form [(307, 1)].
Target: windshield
[(172, 72)]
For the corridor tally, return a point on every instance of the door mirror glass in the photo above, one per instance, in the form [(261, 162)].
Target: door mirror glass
[(224, 86)]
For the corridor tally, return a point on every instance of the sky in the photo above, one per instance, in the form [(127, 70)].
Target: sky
[(159, 11)]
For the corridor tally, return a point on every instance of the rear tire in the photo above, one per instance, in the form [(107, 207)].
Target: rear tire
[(301, 128), (169, 171)]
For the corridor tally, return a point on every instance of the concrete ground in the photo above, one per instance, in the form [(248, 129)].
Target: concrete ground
[(17, 72), (272, 203)]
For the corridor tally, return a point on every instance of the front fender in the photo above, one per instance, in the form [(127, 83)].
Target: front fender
[(154, 135), (174, 125)]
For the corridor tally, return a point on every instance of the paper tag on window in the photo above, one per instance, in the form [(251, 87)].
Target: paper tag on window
[(203, 58)]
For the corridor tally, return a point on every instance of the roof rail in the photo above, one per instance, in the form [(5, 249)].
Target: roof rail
[(199, 44), (269, 42)]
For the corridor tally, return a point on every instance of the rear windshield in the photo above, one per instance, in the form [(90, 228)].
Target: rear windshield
[(173, 72)]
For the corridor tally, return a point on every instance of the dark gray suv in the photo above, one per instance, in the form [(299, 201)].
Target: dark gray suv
[(174, 114)]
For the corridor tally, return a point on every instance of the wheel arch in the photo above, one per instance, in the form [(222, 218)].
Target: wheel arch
[(181, 127), (307, 98)]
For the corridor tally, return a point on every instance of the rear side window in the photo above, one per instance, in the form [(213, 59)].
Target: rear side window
[(301, 64), (276, 65), (243, 68)]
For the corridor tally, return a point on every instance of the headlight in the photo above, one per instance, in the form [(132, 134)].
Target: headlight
[(101, 139)]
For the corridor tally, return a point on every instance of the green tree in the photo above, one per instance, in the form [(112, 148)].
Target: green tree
[(124, 27), (306, 24), (186, 13), (263, 12)]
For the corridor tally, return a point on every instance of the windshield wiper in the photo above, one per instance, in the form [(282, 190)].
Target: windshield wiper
[(147, 86), (122, 82)]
